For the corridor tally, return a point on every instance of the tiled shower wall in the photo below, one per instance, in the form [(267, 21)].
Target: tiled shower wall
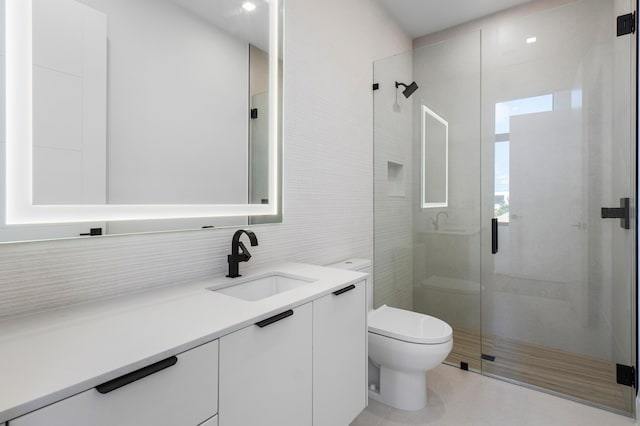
[(328, 178)]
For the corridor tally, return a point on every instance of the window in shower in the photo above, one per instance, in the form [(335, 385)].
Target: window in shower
[(503, 113)]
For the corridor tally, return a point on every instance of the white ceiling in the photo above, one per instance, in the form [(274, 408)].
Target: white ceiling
[(422, 17), (228, 15)]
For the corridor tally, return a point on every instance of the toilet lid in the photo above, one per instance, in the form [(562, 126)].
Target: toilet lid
[(409, 326)]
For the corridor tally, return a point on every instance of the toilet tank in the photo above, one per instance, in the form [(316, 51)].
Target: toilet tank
[(360, 265)]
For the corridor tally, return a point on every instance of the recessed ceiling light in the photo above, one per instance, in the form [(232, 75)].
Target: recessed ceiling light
[(248, 6), (531, 40)]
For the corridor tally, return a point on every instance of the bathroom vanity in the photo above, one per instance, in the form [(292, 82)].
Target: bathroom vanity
[(283, 345)]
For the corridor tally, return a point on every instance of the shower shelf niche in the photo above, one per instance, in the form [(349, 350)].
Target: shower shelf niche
[(395, 179)]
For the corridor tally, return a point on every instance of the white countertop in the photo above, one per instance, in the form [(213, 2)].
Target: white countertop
[(52, 355)]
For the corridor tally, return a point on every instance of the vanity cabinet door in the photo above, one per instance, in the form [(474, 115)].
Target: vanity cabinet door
[(339, 356), (184, 393), (265, 372)]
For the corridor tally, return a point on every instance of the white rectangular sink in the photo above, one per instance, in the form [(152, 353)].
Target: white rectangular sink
[(263, 287)]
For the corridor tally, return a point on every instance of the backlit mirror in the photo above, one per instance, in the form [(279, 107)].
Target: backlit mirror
[(435, 159), (140, 115)]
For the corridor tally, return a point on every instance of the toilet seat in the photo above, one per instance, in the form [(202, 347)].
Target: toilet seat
[(408, 326)]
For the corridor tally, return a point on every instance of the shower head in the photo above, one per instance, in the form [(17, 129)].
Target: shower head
[(409, 89)]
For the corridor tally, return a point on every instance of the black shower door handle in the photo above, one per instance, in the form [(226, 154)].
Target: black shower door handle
[(494, 235), (621, 213)]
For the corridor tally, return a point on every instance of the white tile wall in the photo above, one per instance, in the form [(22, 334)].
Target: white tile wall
[(58, 176), (59, 45), (94, 106), (70, 103), (57, 109), (328, 177)]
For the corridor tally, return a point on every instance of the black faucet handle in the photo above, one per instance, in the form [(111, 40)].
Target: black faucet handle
[(245, 255)]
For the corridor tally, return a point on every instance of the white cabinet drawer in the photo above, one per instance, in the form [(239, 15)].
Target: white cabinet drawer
[(339, 356), (184, 394)]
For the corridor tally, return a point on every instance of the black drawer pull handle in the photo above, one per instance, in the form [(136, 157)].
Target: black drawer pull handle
[(275, 318), (128, 378), (344, 290)]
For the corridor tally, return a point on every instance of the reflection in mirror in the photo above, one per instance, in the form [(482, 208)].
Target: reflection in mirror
[(259, 136), (150, 102), (435, 159)]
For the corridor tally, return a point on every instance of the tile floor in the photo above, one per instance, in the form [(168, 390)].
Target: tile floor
[(458, 397)]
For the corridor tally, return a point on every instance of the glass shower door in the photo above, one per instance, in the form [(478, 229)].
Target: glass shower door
[(558, 145), (446, 219)]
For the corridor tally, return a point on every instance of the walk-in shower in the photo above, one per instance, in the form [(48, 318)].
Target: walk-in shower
[(490, 184)]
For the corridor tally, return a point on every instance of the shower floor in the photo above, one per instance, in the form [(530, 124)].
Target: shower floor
[(578, 376)]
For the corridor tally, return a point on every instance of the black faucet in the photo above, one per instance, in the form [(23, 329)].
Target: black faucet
[(236, 257)]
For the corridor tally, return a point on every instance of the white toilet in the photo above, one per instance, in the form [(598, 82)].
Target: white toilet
[(403, 346)]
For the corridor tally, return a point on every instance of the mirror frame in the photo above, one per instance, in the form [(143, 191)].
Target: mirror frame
[(19, 137), (424, 110)]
